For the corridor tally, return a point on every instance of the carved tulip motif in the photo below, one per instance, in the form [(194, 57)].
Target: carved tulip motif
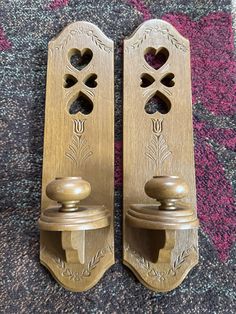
[(158, 150), (157, 126), (79, 127)]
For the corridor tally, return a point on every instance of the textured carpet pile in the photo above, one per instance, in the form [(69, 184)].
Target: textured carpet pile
[(26, 27)]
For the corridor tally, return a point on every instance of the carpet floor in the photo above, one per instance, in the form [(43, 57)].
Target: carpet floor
[(26, 27)]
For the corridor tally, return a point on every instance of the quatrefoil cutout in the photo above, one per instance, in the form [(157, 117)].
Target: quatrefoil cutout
[(79, 59), (89, 81), (146, 80)]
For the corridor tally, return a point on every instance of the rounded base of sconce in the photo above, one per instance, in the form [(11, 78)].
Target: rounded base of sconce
[(85, 218), (151, 217)]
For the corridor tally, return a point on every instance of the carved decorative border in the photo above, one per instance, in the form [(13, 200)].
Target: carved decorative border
[(153, 272), (87, 271), (88, 32), (164, 31)]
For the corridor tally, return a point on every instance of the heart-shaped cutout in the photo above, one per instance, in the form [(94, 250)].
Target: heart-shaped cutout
[(168, 80), (69, 81), (82, 104), (79, 59), (158, 103), (156, 58), (146, 80), (90, 81)]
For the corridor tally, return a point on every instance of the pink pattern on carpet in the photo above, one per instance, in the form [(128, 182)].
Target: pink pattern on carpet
[(223, 137), (213, 65), (215, 200), (140, 7), (213, 72), (5, 44), (57, 4)]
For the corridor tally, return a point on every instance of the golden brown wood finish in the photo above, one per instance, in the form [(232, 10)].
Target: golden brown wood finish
[(160, 237), (77, 239)]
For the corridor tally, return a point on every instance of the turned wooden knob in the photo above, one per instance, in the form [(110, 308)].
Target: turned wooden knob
[(68, 191), (167, 190)]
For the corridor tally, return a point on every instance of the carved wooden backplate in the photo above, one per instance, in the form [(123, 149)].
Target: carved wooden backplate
[(79, 141), (158, 140)]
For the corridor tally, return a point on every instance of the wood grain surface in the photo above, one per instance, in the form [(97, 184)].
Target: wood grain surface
[(158, 141), (79, 142)]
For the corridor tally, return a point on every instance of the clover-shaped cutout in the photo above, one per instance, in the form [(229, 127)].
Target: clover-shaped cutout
[(82, 104), (156, 58), (168, 80), (146, 80), (158, 103), (79, 59)]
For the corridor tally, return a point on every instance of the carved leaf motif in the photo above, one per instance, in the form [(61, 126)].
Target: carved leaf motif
[(67, 273), (180, 259), (86, 272), (145, 263), (158, 150), (161, 276), (59, 263), (88, 32), (98, 41), (165, 32), (79, 150)]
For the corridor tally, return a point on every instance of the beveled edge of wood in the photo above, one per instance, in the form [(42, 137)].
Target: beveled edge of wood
[(151, 217), (95, 217), (146, 23), (174, 286)]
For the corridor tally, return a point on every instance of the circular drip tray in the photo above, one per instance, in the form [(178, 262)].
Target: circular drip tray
[(151, 217), (85, 218)]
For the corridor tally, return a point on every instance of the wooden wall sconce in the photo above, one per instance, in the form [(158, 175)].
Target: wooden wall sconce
[(76, 238), (160, 237)]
